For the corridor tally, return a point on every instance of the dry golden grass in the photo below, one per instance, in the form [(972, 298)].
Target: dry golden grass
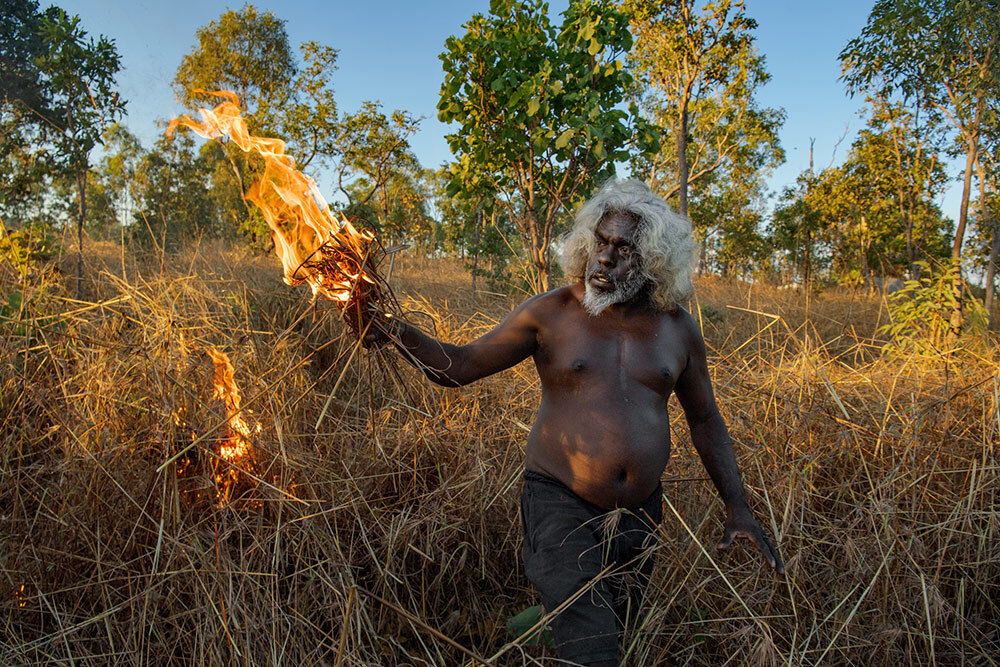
[(380, 527)]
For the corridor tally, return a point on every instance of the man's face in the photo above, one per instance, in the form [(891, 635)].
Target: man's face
[(613, 274)]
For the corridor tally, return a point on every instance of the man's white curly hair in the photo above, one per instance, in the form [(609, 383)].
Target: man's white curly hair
[(663, 238)]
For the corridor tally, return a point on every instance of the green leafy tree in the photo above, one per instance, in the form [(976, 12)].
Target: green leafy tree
[(537, 112), (698, 72), (902, 146), (457, 216), (248, 52), (798, 229), (81, 101), (121, 170), (477, 230), (732, 242), (175, 202), (244, 51), (878, 206), (944, 53), (59, 94), (377, 167), (920, 313), (24, 116)]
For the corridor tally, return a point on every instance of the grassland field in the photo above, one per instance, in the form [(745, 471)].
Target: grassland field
[(376, 520)]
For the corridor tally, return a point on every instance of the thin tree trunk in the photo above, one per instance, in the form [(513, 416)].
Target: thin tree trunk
[(475, 258), (808, 244), (865, 245), (682, 165), (956, 248), (963, 212), (991, 269), (536, 253), (987, 222), (81, 184), (911, 251)]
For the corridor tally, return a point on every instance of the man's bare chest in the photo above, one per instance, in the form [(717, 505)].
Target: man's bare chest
[(609, 359)]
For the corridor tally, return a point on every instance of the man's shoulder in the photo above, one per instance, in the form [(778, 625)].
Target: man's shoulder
[(683, 323), (559, 297)]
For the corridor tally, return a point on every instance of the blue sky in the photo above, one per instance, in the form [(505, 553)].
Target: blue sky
[(389, 52)]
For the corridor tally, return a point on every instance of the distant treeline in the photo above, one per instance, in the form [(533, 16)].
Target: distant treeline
[(542, 109)]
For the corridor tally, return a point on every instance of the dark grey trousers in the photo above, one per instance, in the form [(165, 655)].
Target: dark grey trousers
[(568, 542)]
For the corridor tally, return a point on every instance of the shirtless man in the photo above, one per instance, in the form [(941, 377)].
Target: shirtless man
[(609, 350)]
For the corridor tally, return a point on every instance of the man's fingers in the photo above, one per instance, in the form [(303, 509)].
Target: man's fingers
[(759, 539), (727, 540), (778, 565), (770, 552)]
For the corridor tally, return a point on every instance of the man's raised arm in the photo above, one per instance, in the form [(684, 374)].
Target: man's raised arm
[(711, 440), (509, 343)]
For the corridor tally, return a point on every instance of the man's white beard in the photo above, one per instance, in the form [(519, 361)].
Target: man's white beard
[(595, 301)]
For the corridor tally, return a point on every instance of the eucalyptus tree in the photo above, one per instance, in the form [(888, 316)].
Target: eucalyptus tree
[(81, 100), (537, 112), (248, 52), (698, 72), (376, 162), (944, 53)]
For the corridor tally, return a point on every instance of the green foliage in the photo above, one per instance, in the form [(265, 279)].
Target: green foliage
[(80, 87), (23, 159), (248, 52), (538, 112), (70, 92), (380, 175), (730, 233), (880, 204), (523, 621), (713, 314), (698, 72), (59, 94), (943, 53), (495, 253), (797, 228), (175, 202), (309, 124), (875, 213), (23, 248), (921, 312), (851, 278)]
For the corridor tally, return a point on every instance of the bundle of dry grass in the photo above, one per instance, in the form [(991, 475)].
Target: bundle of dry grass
[(389, 534)]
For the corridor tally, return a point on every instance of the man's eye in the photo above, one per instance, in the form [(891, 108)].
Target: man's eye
[(625, 250)]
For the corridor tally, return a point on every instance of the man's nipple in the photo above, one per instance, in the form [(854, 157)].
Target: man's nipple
[(578, 365)]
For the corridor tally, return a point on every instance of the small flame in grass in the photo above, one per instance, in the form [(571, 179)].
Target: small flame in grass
[(235, 447), (331, 255), (19, 594)]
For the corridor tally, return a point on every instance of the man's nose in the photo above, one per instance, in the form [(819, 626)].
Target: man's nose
[(605, 257)]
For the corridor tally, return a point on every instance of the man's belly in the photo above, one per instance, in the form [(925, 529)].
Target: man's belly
[(611, 456)]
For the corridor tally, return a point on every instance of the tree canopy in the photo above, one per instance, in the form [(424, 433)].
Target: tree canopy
[(538, 112)]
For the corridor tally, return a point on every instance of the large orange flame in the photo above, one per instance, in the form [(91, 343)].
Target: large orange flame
[(307, 237)]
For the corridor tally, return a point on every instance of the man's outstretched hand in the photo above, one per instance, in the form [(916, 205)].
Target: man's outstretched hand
[(380, 329), (740, 523)]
